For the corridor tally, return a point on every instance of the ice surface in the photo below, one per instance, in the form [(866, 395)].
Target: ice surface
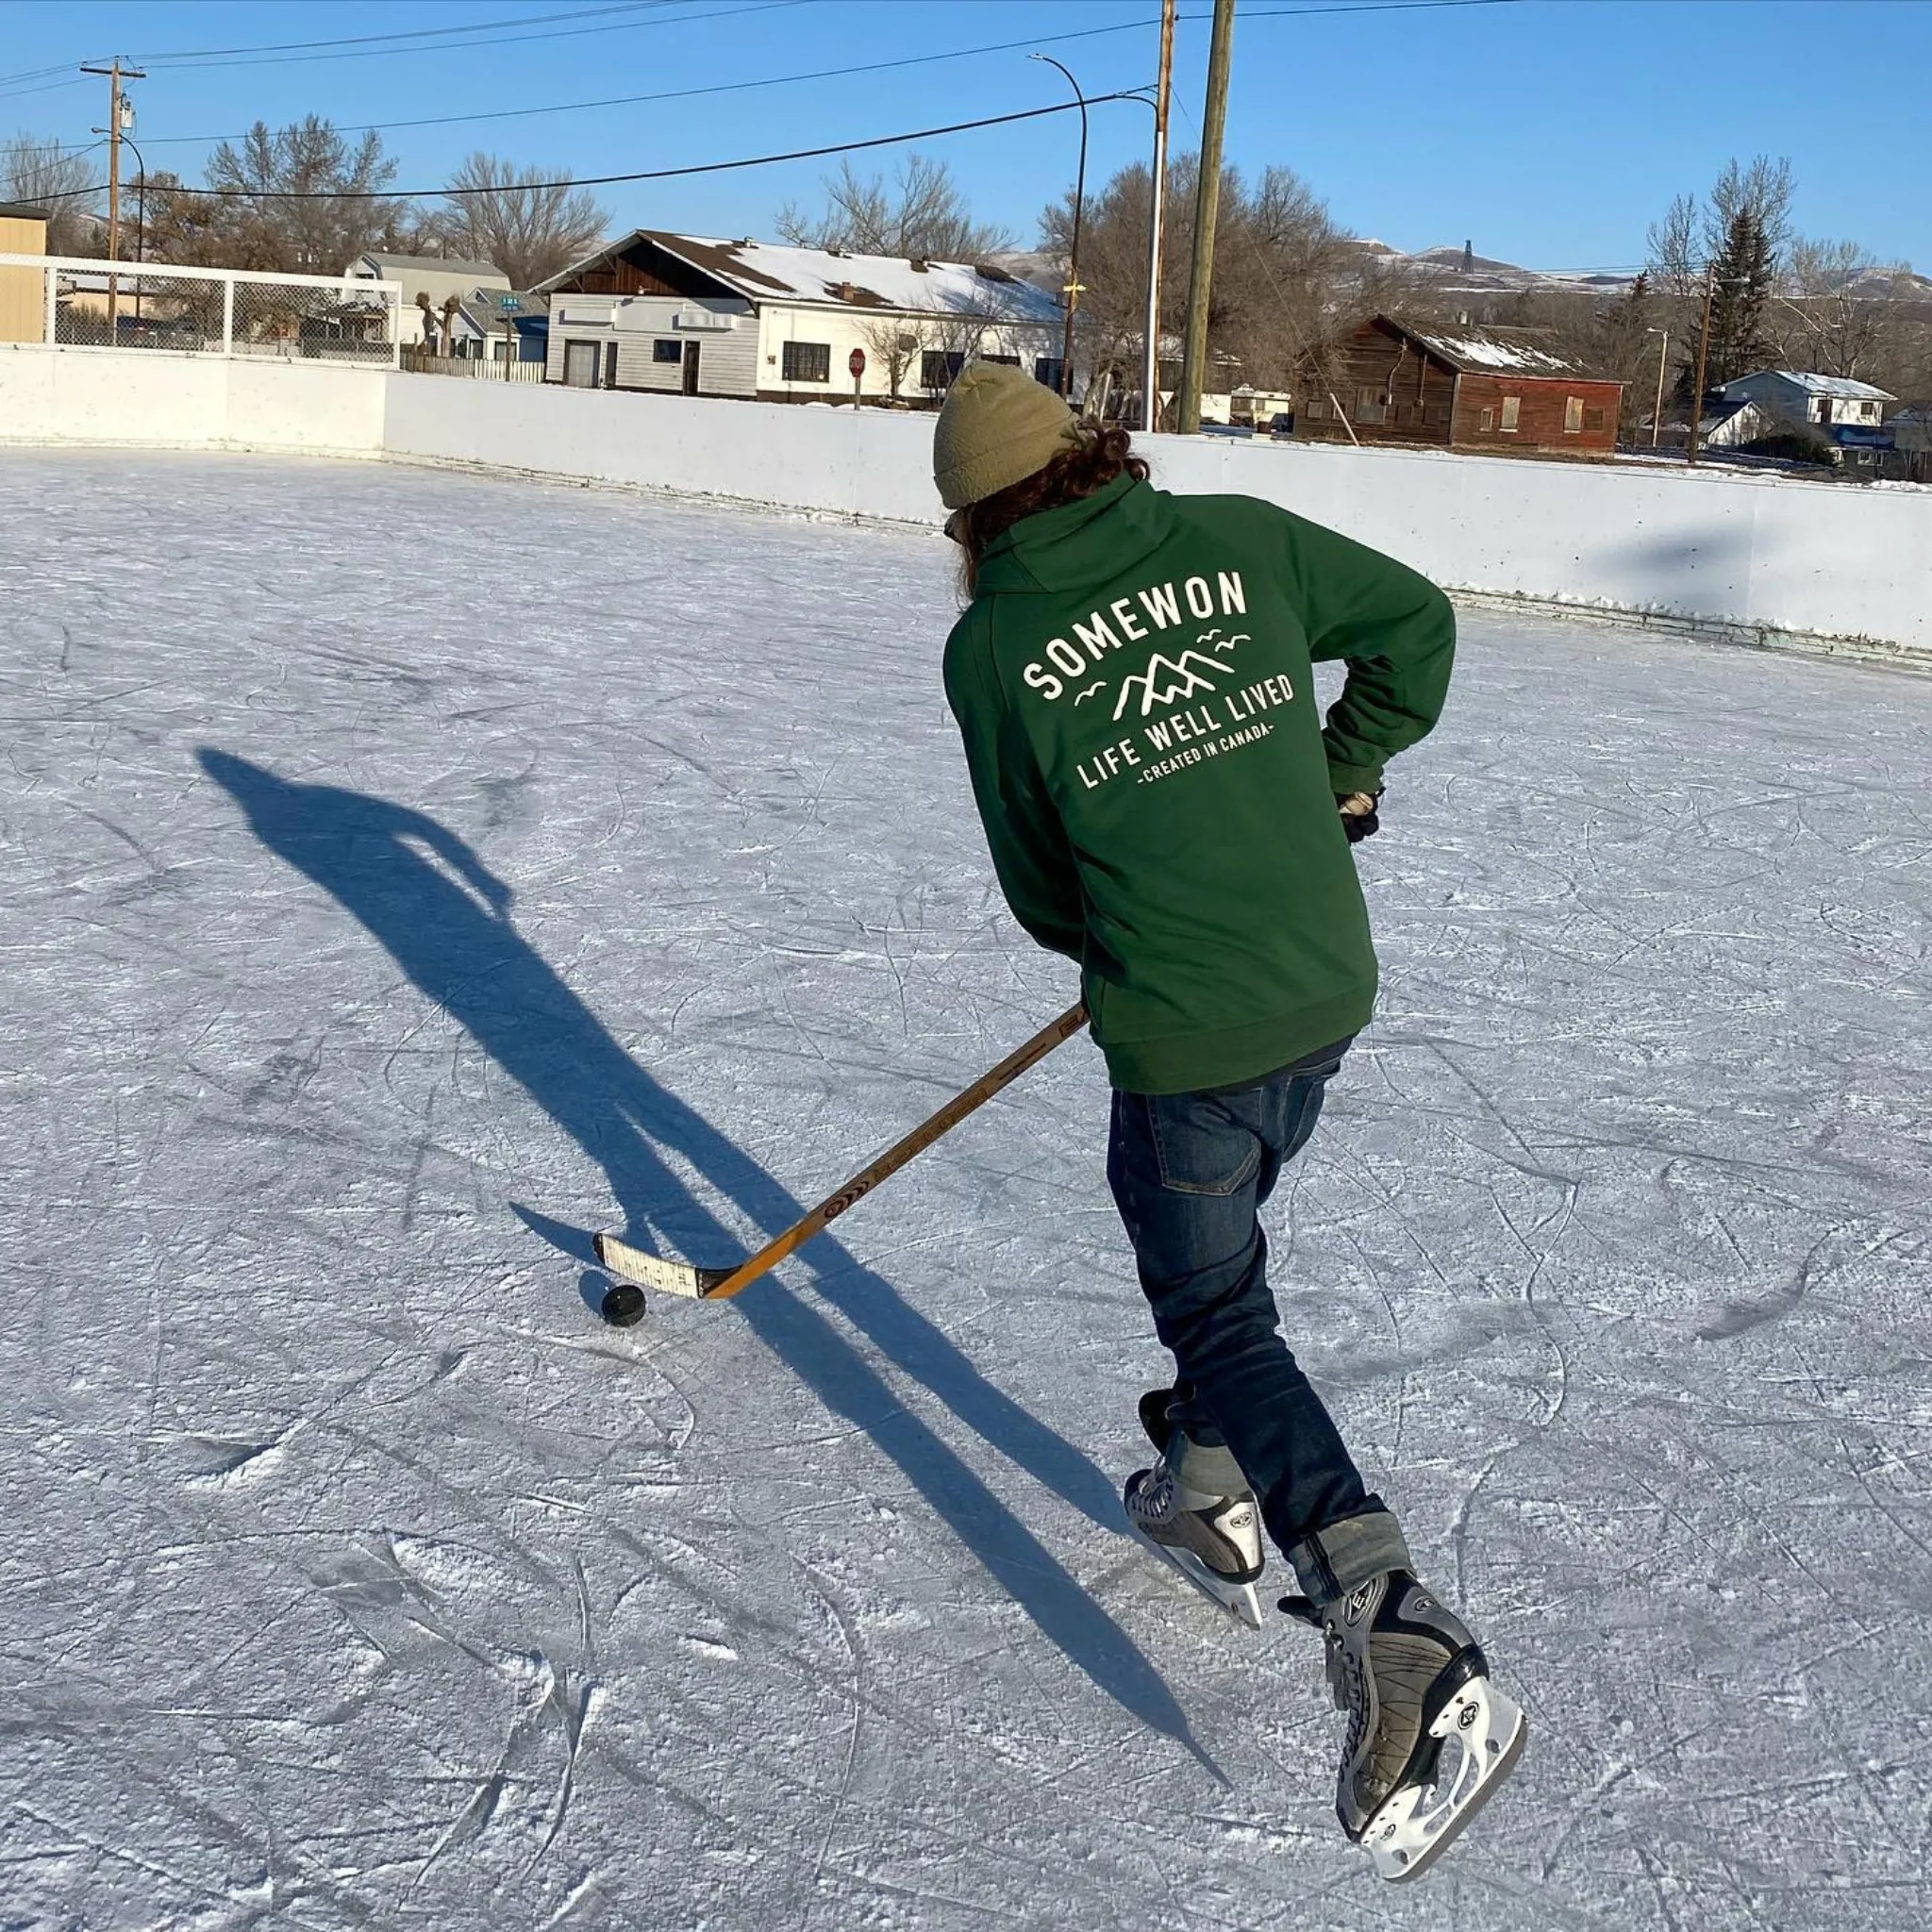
[(404, 871)]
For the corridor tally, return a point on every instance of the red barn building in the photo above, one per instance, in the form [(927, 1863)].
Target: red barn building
[(1506, 390)]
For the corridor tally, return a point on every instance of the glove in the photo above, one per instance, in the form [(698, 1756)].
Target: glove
[(1359, 818)]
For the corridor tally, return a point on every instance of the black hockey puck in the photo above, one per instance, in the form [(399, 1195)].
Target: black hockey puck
[(624, 1306)]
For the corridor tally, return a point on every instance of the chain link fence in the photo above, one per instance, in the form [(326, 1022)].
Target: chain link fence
[(74, 303)]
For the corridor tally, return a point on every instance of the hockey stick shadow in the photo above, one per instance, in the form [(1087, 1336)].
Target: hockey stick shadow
[(442, 917)]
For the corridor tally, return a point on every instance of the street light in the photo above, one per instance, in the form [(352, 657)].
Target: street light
[(139, 216), (1073, 287)]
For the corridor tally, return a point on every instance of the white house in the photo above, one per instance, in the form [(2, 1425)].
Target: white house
[(429, 282), (681, 314), (1829, 401)]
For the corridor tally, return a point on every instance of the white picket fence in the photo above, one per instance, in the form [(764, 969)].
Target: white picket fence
[(72, 302)]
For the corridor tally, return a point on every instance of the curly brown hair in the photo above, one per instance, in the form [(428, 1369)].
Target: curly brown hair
[(1098, 452)]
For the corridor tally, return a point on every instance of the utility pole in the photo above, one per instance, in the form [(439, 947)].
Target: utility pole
[(1702, 351), (1150, 351), (1207, 214), (120, 117)]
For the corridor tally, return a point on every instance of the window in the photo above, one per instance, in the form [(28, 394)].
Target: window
[(665, 351), (937, 367), (1047, 369), (1512, 406), (1573, 415), (808, 361), (1315, 408), (1489, 421), (609, 365), (1370, 406), (1011, 361), (1593, 419)]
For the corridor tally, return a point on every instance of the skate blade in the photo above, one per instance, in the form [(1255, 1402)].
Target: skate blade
[(651, 1270), (1238, 1599), (1406, 1838)]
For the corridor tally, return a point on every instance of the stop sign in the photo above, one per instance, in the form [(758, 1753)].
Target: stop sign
[(855, 363)]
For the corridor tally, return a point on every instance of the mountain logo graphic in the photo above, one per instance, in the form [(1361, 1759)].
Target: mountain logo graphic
[(1167, 680)]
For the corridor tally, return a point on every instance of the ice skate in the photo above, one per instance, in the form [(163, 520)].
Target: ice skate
[(1211, 1536), (1429, 1736)]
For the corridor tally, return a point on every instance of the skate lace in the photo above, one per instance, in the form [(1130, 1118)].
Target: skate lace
[(1346, 1677)]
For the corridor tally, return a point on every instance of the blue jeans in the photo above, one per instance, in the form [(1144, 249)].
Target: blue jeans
[(1188, 1174)]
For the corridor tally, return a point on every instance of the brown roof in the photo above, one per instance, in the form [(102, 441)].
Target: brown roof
[(1492, 349)]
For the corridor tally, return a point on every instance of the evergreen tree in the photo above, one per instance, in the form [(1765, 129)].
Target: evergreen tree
[(1739, 300)]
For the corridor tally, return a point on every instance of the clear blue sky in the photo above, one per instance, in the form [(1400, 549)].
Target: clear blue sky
[(1547, 131)]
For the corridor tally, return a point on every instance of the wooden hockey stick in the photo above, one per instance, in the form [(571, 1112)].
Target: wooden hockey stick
[(714, 1284)]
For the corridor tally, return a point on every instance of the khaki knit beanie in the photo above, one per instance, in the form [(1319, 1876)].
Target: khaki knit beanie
[(998, 426)]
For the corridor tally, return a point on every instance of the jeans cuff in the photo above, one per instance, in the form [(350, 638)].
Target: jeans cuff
[(1331, 1562), (1209, 1467)]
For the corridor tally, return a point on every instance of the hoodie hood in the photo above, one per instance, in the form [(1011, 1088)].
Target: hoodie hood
[(1087, 542)]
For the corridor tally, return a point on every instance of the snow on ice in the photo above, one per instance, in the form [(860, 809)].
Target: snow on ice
[(403, 874)]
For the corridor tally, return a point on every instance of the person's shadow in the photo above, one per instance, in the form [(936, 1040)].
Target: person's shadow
[(450, 932)]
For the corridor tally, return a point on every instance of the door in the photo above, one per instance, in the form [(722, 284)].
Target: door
[(580, 365), (691, 368)]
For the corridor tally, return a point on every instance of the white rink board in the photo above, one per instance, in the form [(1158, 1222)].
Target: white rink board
[(158, 398), (401, 870), (1759, 551)]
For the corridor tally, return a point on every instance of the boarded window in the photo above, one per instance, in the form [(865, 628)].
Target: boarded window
[(1315, 408), (1573, 415), (1512, 408), (1593, 419), (663, 350), (808, 361), (1489, 421), (1370, 406)]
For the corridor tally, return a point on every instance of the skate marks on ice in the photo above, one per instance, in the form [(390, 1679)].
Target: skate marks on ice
[(1653, 1026), (448, 928)]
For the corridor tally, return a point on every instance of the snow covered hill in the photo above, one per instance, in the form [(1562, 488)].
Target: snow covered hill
[(402, 873)]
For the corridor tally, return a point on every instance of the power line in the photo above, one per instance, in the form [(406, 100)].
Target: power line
[(485, 37), (421, 33), (488, 34), (803, 154), (832, 73)]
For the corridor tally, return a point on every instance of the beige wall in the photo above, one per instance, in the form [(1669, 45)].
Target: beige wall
[(22, 292)]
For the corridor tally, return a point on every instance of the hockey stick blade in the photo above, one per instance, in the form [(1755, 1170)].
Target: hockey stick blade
[(715, 1283), (651, 1270)]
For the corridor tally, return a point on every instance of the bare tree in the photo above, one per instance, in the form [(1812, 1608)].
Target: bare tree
[(525, 221), (1838, 311), (1286, 276), (895, 343), (45, 174), (920, 213), (298, 198)]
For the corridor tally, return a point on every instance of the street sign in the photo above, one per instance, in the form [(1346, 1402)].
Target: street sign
[(855, 363), (510, 303)]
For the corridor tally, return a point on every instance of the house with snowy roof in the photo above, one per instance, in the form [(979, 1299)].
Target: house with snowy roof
[(1828, 402), (1506, 390), (686, 315), (433, 287)]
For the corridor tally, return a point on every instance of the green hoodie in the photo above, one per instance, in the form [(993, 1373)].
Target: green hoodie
[(1132, 682)]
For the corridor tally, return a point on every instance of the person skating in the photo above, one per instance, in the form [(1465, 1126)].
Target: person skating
[(1164, 805)]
